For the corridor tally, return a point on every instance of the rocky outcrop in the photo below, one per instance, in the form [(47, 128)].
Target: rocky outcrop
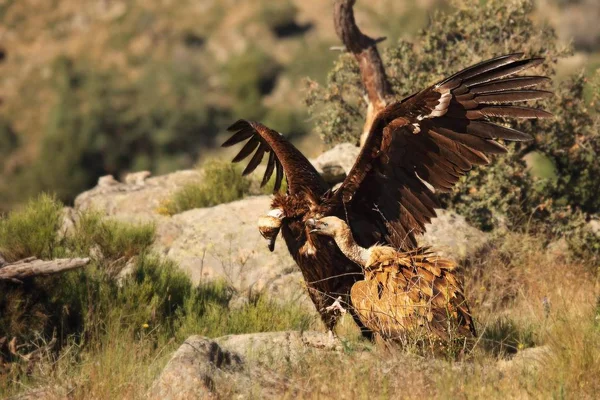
[(259, 365), (222, 242), (138, 197)]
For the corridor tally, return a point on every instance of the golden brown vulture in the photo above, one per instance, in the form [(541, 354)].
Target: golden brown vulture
[(435, 136), (405, 296)]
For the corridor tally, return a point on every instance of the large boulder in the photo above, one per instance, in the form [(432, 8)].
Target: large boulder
[(223, 242)]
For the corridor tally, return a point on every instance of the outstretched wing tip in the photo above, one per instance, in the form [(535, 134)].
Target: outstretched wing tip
[(237, 125)]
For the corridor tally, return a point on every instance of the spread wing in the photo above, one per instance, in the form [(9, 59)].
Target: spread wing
[(284, 158), (436, 136)]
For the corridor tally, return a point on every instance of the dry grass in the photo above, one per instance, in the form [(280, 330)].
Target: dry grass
[(522, 295)]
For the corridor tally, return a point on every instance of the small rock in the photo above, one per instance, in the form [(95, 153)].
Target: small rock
[(107, 180), (137, 178), (192, 371), (235, 365), (594, 226)]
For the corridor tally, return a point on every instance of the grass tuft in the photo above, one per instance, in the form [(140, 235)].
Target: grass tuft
[(223, 182)]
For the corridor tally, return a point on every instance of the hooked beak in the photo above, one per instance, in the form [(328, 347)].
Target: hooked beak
[(313, 225), (271, 243)]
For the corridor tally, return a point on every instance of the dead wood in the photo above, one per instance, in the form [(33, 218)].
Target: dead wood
[(365, 51), (31, 266)]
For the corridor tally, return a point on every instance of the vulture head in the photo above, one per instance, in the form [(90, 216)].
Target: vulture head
[(327, 226), (269, 226)]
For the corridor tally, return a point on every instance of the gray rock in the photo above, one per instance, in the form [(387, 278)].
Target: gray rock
[(450, 235), (235, 365), (193, 371), (265, 348), (594, 225), (222, 242), (334, 164), (138, 197)]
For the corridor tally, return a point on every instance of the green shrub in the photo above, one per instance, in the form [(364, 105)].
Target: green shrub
[(222, 183), (31, 231), (152, 308), (103, 123), (114, 239), (506, 193)]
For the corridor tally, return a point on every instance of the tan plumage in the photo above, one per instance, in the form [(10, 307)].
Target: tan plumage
[(435, 136), (415, 294), (404, 295)]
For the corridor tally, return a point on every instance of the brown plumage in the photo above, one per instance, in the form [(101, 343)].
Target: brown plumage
[(404, 295), (436, 135)]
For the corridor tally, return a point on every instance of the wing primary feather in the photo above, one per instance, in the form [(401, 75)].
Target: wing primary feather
[(511, 111), (515, 83), (278, 176), (247, 149), (511, 96), (483, 67), (490, 130), (500, 73), (474, 142), (237, 137), (270, 168), (256, 159), (239, 125)]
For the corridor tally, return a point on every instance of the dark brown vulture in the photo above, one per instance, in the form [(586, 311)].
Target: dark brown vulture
[(412, 297), (433, 136)]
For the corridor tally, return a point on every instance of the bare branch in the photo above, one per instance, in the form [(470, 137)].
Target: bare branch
[(365, 51), (31, 266)]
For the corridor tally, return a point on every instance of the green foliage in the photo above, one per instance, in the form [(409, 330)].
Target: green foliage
[(506, 193), (114, 239), (222, 183), (211, 315), (249, 76), (31, 231), (104, 124), (154, 305), (278, 14)]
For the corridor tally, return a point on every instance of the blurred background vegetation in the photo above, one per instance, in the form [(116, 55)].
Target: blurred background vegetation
[(107, 87)]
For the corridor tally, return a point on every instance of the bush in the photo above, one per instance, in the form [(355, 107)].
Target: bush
[(114, 239), (506, 193), (250, 76), (31, 231), (153, 308)]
